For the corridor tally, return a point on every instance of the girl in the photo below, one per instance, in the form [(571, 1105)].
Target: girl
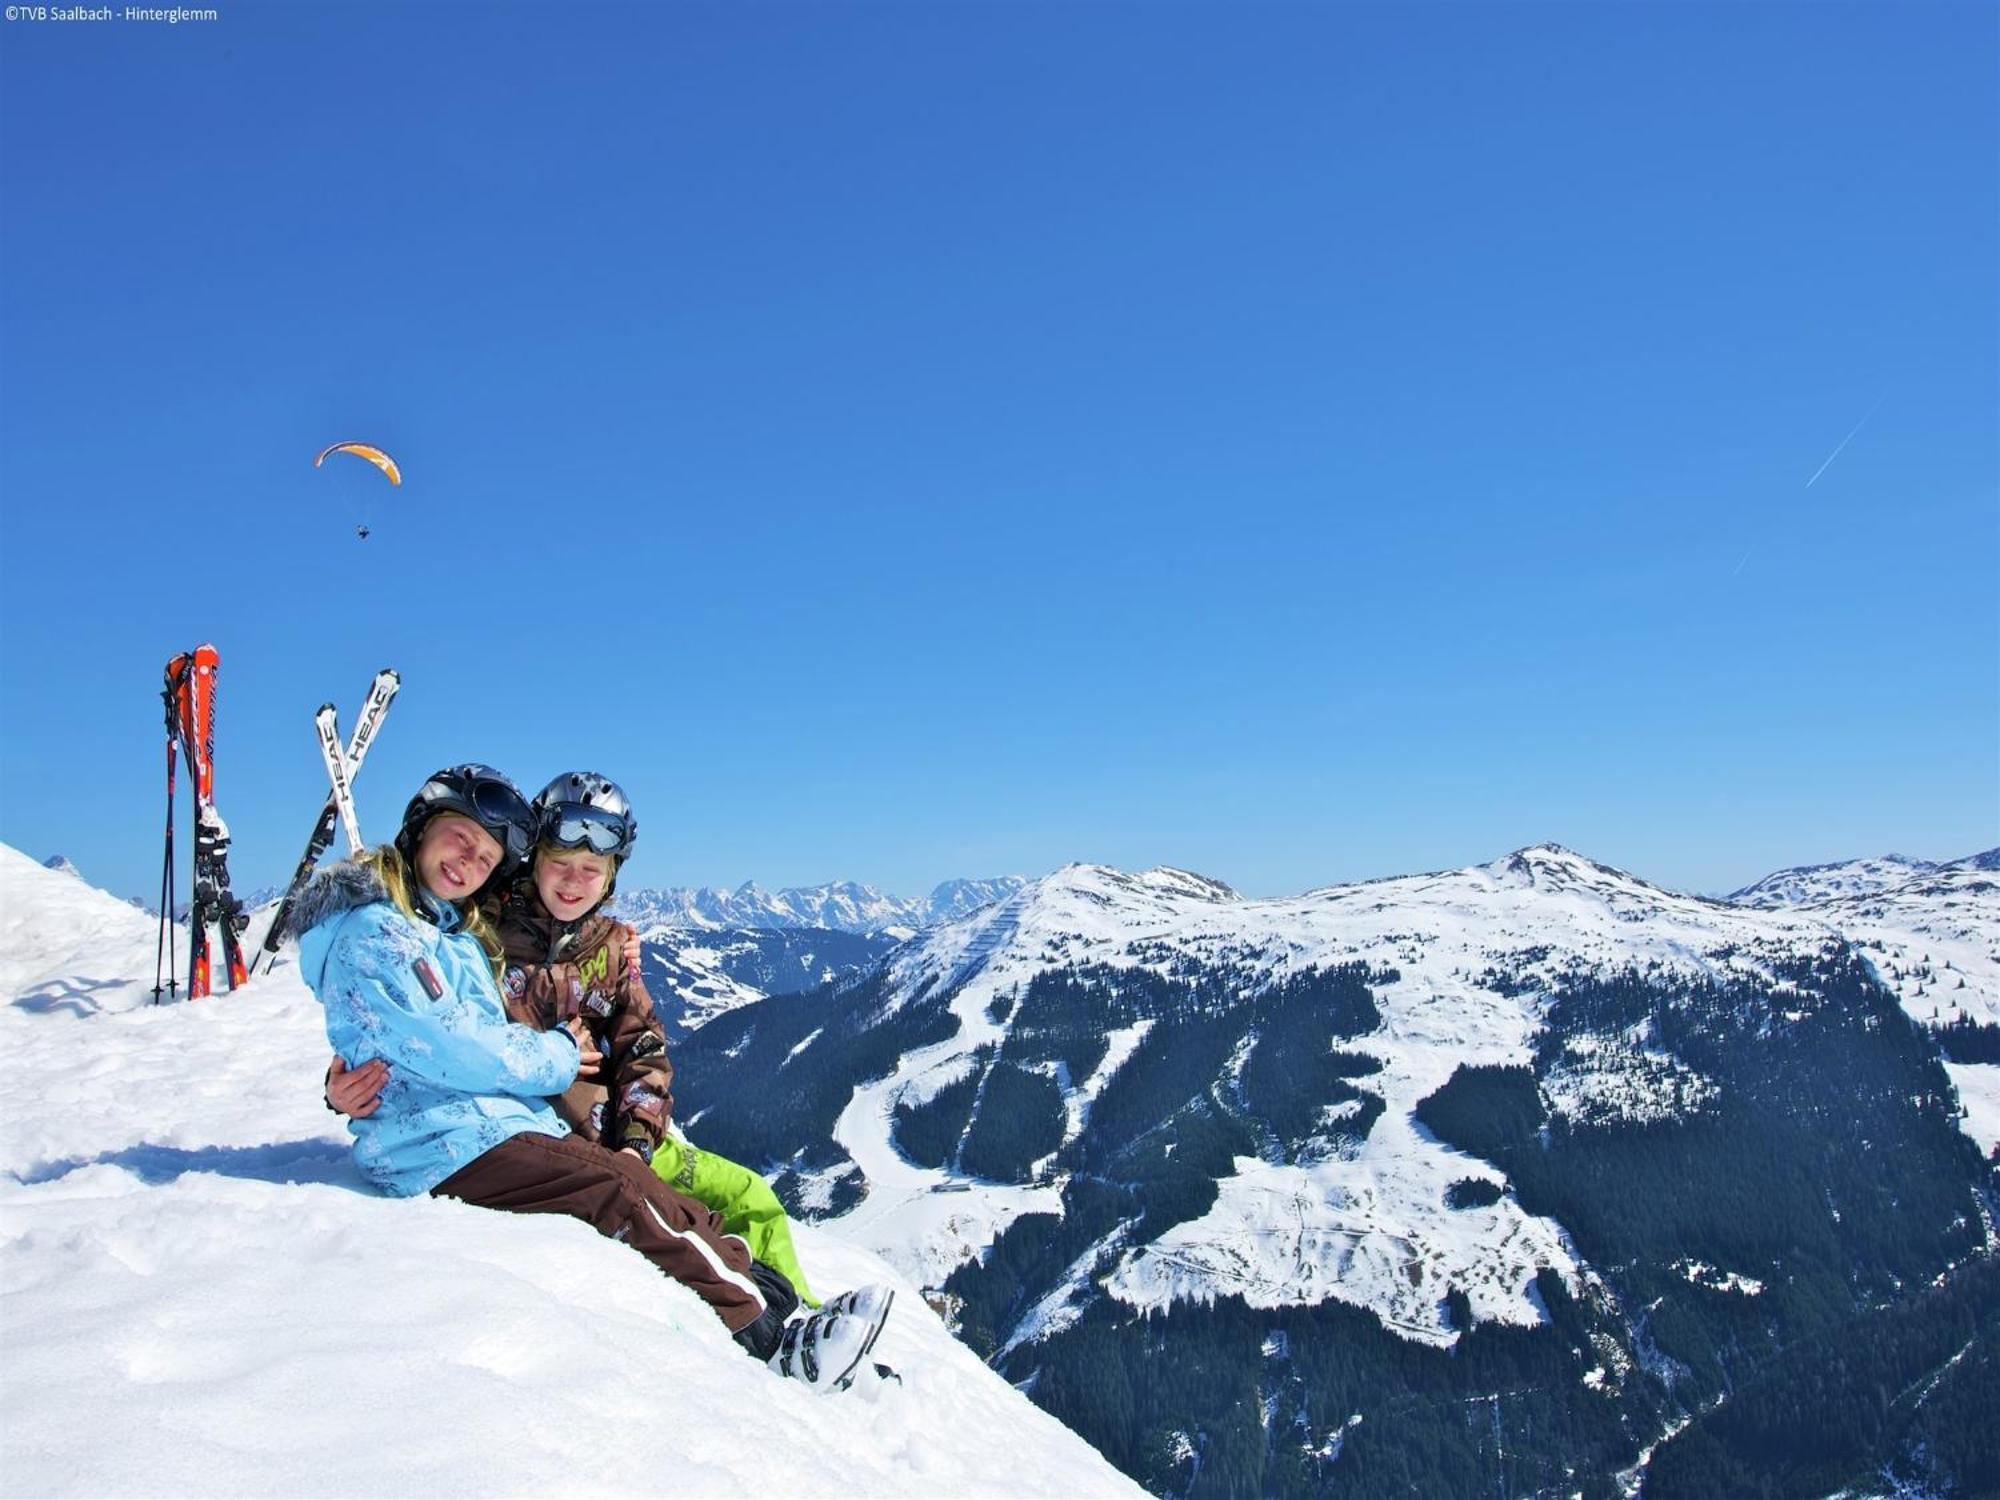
[(394, 947), (566, 960)]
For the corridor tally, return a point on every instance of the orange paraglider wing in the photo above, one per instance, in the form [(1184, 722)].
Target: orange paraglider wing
[(375, 456)]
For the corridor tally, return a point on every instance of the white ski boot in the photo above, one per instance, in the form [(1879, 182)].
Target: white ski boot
[(826, 1348)]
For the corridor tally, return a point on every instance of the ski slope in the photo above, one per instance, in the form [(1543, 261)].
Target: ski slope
[(199, 1297), (1370, 1226)]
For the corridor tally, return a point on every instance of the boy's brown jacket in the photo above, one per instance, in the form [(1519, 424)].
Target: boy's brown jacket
[(557, 970)]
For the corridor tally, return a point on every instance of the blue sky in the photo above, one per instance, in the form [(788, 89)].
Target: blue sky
[(1293, 442)]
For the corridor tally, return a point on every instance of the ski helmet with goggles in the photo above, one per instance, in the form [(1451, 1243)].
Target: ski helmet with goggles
[(583, 810), (483, 795)]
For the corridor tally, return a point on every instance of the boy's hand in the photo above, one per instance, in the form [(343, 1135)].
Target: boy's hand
[(356, 1092), (632, 952), (589, 1060)]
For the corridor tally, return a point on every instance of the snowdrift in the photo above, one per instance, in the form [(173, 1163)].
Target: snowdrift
[(199, 1296)]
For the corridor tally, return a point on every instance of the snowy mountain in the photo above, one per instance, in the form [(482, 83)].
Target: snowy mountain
[(201, 1298), (62, 864), (696, 974), (1536, 1123), (708, 952), (1808, 885), (842, 906)]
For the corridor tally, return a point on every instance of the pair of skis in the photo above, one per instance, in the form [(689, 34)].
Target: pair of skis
[(190, 700), (339, 810)]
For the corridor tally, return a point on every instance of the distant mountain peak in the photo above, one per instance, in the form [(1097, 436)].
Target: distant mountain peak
[(1160, 881), (1188, 883), (1551, 866), (63, 864), (1802, 885), (838, 906)]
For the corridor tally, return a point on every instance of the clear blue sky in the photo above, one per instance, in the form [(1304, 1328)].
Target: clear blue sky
[(1294, 442)]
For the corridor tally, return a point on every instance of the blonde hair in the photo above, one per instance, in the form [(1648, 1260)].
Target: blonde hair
[(400, 881)]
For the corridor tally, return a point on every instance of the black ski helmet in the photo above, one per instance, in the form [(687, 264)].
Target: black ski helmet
[(583, 810), (483, 795)]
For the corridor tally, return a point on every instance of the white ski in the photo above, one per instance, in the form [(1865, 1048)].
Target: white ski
[(381, 692), (327, 722)]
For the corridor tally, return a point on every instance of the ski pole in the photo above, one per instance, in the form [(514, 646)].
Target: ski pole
[(166, 940)]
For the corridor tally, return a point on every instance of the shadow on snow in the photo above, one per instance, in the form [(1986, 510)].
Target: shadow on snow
[(304, 1161)]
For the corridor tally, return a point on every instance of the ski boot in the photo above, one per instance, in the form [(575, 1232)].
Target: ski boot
[(825, 1349)]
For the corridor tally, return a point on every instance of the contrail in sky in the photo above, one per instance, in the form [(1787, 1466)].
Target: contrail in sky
[(1842, 444)]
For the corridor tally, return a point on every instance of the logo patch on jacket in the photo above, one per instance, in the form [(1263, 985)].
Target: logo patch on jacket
[(515, 983), (427, 977), (638, 1097)]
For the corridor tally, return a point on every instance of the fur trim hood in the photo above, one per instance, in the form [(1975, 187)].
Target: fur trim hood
[(334, 891)]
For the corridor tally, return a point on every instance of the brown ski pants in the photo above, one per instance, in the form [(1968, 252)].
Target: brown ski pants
[(617, 1195)]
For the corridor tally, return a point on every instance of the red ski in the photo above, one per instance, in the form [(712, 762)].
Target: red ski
[(190, 698)]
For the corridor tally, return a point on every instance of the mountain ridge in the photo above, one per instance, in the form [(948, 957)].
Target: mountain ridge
[(839, 906), (1114, 1112)]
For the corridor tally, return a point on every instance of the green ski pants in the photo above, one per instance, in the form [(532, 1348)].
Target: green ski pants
[(744, 1200)]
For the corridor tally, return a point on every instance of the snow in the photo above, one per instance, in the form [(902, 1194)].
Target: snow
[(704, 990), (200, 1297), (1120, 1044), (1599, 1079), (1978, 1086), (1807, 883), (1700, 1273), (1064, 1305), (843, 905), (1369, 1226), (1932, 940)]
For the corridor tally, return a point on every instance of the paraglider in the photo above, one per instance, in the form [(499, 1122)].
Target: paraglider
[(376, 457)]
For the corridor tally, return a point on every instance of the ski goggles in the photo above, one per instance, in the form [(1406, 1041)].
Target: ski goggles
[(571, 825), (492, 802)]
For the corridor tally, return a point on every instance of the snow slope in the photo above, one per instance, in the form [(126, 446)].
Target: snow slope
[(1804, 885), (1848, 877), (1370, 1226), (200, 1298)]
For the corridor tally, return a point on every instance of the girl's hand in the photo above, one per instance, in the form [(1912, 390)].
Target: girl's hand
[(356, 1092), (632, 952)]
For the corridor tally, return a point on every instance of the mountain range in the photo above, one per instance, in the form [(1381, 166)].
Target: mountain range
[(1521, 1177), (1530, 1177), (840, 906), (1804, 885)]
